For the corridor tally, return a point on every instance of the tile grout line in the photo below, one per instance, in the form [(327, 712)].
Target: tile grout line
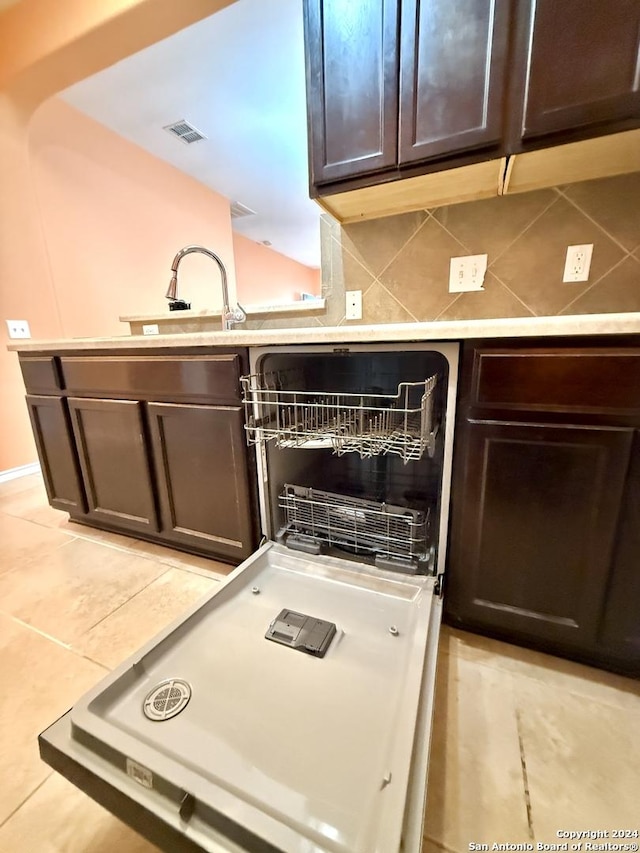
[(407, 241), (93, 661), (515, 295), (553, 201), (525, 779), (38, 631), (439, 844), (68, 647), (131, 597), (450, 304), (509, 245), (395, 299), (497, 257), (343, 248), (596, 223), (26, 799), (592, 285), (540, 678)]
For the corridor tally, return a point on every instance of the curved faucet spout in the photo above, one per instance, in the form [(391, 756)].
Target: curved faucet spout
[(229, 316)]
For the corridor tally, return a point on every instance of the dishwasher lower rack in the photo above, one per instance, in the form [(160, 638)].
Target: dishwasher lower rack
[(402, 424), (396, 536)]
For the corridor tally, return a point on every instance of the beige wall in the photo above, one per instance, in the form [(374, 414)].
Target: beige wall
[(264, 275), (113, 217), (44, 47), (25, 283)]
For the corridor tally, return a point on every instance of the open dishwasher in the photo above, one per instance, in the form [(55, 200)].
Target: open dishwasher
[(290, 710)]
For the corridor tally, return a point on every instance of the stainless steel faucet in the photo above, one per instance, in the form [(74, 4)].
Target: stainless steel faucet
[(229, 315)]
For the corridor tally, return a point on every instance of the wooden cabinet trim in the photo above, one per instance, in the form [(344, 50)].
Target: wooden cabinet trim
[(571, 381), (187, 378), (41, 374)]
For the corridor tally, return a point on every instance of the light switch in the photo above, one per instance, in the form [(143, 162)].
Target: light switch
[(467, 273)]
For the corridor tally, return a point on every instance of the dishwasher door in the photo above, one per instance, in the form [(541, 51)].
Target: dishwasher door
[(214, 738)]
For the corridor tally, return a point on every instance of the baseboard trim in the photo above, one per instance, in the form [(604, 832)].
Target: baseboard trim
[(20, 471)]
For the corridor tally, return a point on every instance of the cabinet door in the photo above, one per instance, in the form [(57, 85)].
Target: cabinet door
[(582, 64), (57, 453), (201, 464), (110, 437), (352, 86), (534, 528), (452, 76), (620, 636)]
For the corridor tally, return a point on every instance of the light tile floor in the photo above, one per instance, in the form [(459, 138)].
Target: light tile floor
[(524, 744)]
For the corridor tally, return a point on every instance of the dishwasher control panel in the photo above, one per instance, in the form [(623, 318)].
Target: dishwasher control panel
[(304, 633)]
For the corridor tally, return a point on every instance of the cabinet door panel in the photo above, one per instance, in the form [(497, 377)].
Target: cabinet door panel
[(110, 438), (352, 90), (536, 527), (57, 453), (620, 634), (201, 464), (583, 64), (451, 75)]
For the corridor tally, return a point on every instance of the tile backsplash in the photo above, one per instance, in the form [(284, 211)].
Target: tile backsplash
[(401, 263)]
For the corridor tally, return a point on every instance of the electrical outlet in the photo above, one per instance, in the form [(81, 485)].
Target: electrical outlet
[(578, 262), (150, 329), (18, 329), (353, 308)]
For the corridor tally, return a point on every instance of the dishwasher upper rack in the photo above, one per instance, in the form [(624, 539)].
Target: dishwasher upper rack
[(364, 423)]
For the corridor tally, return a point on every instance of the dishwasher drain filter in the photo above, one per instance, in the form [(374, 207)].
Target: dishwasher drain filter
[(167, 699)]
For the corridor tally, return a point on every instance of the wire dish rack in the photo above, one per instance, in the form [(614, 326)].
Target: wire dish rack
[(397, 536), (367, 424)]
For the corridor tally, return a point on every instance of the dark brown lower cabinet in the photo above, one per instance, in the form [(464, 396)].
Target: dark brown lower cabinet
[(149, 444), (54, 441), (620, 630), (536, 512), (116, 468), (200, 458)]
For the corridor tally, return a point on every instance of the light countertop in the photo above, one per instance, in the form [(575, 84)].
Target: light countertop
[(585, 324), (302, 306)]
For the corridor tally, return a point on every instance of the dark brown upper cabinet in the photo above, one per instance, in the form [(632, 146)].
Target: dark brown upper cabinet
[(452, 76), (404, 88), (394, 82), (577, 69), (352, 86)]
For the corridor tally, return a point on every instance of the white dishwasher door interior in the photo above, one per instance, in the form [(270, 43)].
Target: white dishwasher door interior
[(241, 743)]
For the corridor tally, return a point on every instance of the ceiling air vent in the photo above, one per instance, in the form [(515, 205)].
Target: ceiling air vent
[(185, 131), (238, 210)]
